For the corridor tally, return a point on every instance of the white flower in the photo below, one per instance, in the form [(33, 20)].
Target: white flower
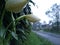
[(15, 5), (32, 18)]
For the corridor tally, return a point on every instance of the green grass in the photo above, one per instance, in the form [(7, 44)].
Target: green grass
[(35, 40), (52, 31), (55, 32)]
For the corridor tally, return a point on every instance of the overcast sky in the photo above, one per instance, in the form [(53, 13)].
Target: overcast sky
[(43, 6)]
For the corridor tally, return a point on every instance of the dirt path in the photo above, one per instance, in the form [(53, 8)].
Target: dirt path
[(54, 38)]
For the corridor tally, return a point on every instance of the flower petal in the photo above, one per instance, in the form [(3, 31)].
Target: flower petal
[(32, 18), (15, 5)]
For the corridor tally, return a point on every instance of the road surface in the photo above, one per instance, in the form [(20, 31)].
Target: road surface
[(54, 38)]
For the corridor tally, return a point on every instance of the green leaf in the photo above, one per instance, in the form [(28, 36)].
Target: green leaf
[(14, 35), (6, 42), (1, 41), (2, 32), (32, 2)]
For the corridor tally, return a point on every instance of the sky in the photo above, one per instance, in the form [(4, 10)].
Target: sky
[(41, 7)]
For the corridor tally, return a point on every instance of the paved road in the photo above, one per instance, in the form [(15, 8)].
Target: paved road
[(54, 38)]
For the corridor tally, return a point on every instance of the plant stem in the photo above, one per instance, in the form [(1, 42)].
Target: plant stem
[(16, 20), (1, 19), (13, 20)]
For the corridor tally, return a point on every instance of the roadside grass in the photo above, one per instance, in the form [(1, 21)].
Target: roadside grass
[(55, 32), (52, 31), (36, 40)]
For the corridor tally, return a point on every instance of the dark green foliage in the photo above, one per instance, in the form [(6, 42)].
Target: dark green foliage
[(9, 35)]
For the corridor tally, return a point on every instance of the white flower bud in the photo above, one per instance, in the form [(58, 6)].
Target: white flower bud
[(32, 18), (15, 5)]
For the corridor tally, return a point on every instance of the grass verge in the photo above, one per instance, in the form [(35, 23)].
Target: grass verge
[(36, 40)]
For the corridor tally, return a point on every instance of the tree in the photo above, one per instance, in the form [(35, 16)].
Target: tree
[(54, 13), (50, 22)]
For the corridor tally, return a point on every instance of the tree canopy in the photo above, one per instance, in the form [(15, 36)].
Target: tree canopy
[(54, 13)]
